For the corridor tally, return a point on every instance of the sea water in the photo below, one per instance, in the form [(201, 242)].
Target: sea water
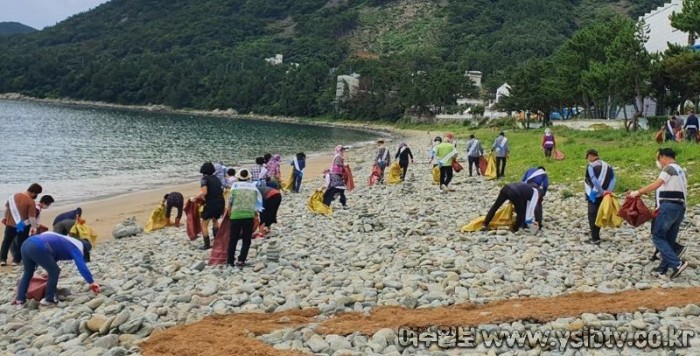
[(80, 153)]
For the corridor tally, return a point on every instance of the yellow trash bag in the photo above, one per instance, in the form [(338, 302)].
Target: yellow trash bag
[(316, 205), (502, 218), (490, 168), (81, 230), (394, 176), (607, 213), (436, 175), (157, 219), (288, 185)]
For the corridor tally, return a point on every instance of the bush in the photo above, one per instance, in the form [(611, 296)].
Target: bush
[(504, 123), (656, 122)]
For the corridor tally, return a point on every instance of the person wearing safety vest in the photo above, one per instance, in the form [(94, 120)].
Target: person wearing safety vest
[(525, 199), (671, 196), (474, 153), (598, 180), (20, 222), (537, 178), (502, 150), (691, 126), (446, 153)]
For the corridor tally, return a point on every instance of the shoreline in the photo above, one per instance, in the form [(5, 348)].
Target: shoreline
[(381, 130), (104, 213)]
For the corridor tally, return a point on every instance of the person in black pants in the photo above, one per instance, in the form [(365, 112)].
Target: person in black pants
[(474, 153), (177, 201), (403, 155), (334, 185), (502, 150), (524, 197), (598, 179)]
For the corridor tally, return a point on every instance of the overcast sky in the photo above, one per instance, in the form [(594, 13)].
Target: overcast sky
[(42, 13)]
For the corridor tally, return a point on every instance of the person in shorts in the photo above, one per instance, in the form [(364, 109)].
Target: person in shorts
[(212, 193)]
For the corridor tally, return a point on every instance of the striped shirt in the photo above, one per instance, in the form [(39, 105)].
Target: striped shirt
[(675, 185)]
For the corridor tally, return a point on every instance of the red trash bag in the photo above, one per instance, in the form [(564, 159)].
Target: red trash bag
[(349, 180), (659, 136), (37, 288), (483, 163), (194, 225), (456, 166), (634, 211), (219, 252), (376, 173), (558, 155)]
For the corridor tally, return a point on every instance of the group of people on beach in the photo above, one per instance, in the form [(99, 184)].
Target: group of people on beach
[(599, 180), (32, 245), (249, 198)]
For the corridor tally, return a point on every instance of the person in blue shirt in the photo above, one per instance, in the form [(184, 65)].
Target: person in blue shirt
[(537, 178), (46, 250)]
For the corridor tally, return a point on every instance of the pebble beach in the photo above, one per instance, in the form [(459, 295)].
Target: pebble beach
[(397, 245)]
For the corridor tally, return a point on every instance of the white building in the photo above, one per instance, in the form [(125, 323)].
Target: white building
[(276, 60), (475, 77), (351, 82), (503, 90), (660, 30)]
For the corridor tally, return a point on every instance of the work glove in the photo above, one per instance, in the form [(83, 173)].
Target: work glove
[(95, 288)]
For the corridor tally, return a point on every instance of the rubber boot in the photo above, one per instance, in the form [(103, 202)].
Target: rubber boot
[(207, 243)]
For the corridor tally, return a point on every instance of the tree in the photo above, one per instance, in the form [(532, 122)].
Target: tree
[(688, 20)]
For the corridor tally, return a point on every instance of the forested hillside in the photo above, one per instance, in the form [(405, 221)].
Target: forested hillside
[(14, 28), (210, 54)]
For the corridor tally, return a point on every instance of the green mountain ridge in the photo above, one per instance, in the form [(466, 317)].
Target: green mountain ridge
[(14, 28), (210, 53)]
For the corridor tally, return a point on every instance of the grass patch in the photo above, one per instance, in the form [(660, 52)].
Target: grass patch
[(632, 155)]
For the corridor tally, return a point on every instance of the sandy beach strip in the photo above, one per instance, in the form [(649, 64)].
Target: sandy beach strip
[(104, 214)]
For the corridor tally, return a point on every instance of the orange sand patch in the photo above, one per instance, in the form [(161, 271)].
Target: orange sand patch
[(229, 334)]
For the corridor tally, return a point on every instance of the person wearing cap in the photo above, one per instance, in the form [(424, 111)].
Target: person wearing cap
[(548, 143), (244, 204), (599, 179), (446, 153), (671, 196), (45, 250), (474, 153), (404, 154), (383, 158), (537, 178), (502, 150), (525, 199)]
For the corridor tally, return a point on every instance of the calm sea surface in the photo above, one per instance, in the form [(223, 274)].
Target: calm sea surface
[(86, 153)]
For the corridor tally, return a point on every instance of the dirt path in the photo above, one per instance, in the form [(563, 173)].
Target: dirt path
[(226, 335)]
